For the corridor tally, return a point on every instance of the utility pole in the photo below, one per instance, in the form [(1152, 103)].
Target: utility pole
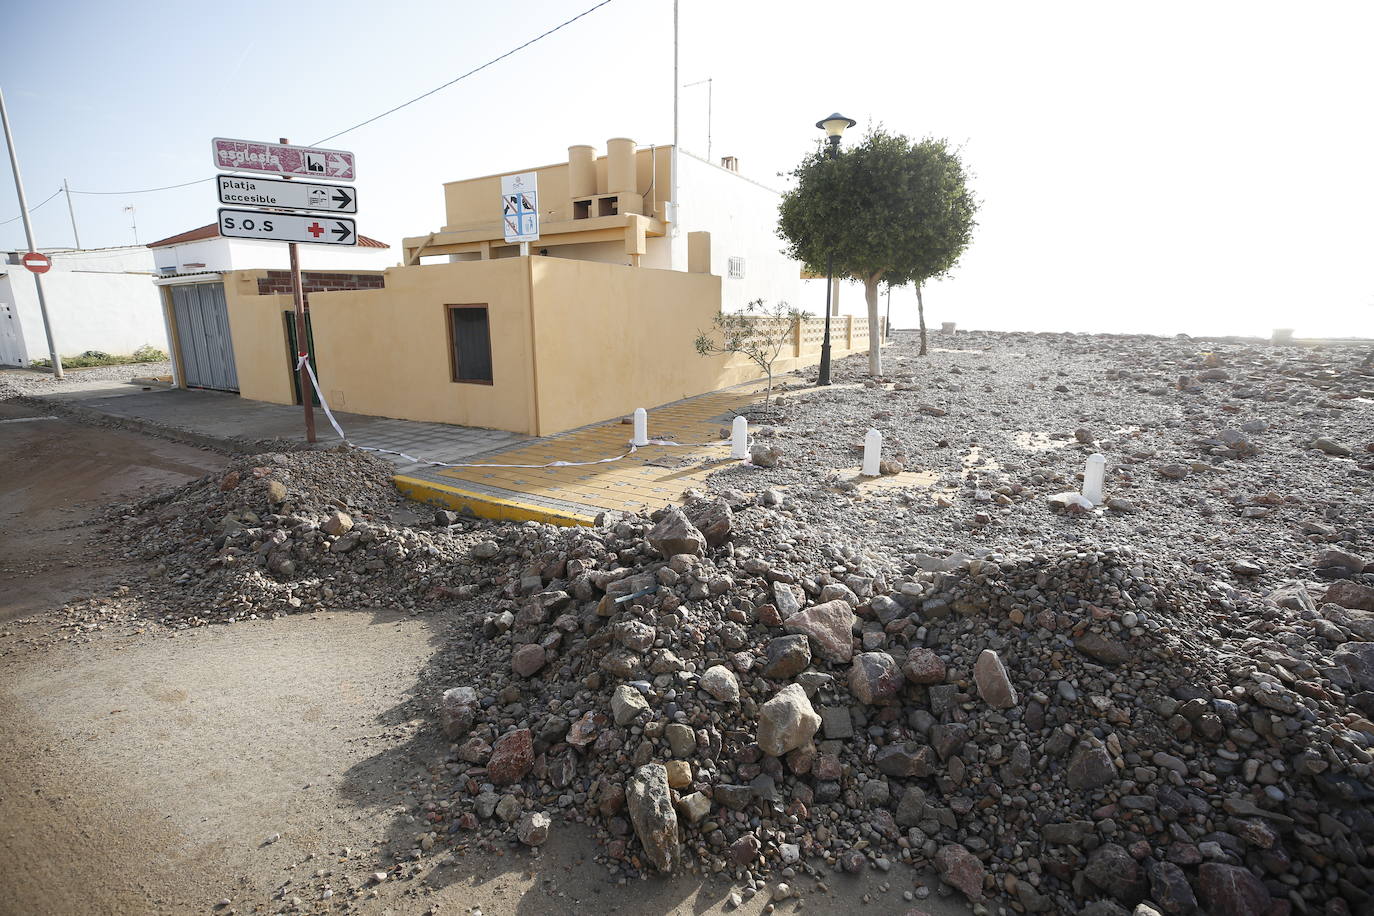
[(28, 233), (72, 213), (709, 84), (302, 340)]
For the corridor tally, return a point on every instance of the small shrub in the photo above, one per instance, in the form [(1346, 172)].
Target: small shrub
[(149, 354), (92, 358)]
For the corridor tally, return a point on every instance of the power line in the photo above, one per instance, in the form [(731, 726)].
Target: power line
[(184, 184), (31, 209), (389, 111), (466, 75)]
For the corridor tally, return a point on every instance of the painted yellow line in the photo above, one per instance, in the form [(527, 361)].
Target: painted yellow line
[(485, 506)]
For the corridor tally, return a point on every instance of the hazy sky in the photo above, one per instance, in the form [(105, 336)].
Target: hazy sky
[(1199, 167)]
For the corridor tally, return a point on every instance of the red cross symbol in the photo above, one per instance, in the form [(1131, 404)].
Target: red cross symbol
[(315, 229)]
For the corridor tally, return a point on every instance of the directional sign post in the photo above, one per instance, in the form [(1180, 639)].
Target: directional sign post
[(288, 162), (283, 159), (238, 190), (287, 227)]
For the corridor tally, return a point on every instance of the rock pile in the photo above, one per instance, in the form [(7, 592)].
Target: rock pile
[(279, 534), (1054, 730)]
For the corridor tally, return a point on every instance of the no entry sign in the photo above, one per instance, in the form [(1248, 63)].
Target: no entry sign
[(37, 262)]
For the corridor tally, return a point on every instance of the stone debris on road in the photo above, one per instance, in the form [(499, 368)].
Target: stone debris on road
[(1164, 704)]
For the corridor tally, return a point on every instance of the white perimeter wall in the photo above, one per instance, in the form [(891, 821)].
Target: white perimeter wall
[(102, 299), (742, 217), (218, 254)]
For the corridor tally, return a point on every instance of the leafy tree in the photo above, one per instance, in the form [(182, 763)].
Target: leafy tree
[(759, 332), (889, 209)]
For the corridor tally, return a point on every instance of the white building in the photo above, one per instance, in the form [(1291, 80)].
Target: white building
[(619, 208), (98, 299), (204, 249)]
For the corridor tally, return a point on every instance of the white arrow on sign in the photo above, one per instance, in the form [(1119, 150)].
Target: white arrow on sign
[(287, 227), (289, 195)]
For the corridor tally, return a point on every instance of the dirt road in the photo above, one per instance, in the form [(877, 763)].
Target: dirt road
[(144, 773)]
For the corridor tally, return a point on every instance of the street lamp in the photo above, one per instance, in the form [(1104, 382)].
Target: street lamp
[(834, 126)]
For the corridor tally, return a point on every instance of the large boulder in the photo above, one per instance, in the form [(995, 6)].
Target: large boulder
[(874, 677), (674, 534), (924, 667), (1351, 595), (512, 756), (786, 656), (1102, 649), (1229, 890), (994, 686), (651, 812), (961, 869), (829, 625), (458, 709), (1358, 659), (720, 682), (787, 721), (626, 704), (1113, 871), (1090, 767), (713, 518)]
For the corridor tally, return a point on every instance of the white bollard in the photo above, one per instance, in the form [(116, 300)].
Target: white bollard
[(1093, 475), (873, 453), (739, 438), (641, 436)]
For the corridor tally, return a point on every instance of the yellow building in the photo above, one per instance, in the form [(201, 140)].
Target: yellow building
[(598, 319)]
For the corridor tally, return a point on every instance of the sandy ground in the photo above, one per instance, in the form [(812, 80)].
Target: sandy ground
[(145, 773)]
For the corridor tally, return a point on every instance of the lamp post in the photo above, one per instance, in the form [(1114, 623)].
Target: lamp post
[(834, 126)]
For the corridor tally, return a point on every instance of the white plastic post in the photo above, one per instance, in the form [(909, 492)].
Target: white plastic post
[(1093, 475), (641, 436), (739, 438), (873, 453)]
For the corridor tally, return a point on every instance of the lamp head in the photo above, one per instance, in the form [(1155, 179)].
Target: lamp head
[(835, 125)]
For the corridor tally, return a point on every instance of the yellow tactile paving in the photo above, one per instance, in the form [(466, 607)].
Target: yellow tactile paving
[(581, 492)]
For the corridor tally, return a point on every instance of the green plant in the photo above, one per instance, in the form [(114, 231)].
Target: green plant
[(888, 210), (759, 333), (149, 354), (92, 358)]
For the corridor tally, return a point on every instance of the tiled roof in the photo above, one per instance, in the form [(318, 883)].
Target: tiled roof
[(212, 231)]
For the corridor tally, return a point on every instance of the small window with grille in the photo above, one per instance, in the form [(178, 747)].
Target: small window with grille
[(737, 268), (469, 344)]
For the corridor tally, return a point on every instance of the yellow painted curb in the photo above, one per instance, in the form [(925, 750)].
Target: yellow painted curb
[(485, 506)]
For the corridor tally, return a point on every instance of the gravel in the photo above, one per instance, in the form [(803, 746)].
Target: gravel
[(1073, 709), (22, 382)]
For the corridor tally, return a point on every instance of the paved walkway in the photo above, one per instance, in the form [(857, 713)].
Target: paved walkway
[(653, 476), (214, 415)]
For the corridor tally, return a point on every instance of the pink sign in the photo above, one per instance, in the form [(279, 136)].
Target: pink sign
[(280, 159)]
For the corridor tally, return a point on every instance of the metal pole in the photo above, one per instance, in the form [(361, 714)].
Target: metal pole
[(887, 331), (824, 378), (825, 344), (672, 166), (72, 213), (302, 344), (709, 84), (302, 340), (28, 233)]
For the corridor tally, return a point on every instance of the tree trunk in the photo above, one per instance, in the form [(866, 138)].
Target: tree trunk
[(921, 313), (875, 340)]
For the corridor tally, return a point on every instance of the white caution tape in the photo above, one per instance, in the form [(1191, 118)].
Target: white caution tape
[(305, 362)]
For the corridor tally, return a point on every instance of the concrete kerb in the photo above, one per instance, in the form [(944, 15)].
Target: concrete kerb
[(229, 445)]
